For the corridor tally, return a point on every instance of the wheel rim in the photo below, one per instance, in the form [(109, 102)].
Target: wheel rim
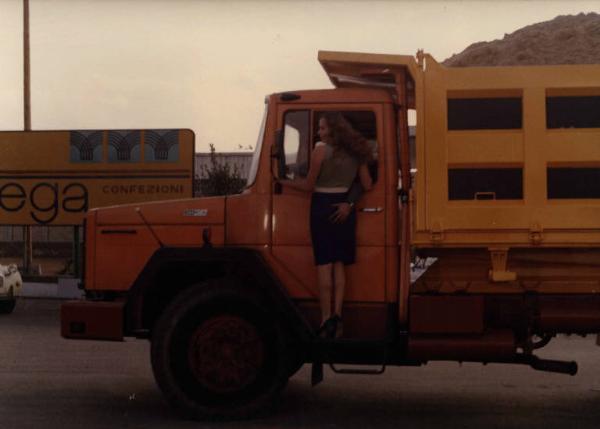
[(226, 353)]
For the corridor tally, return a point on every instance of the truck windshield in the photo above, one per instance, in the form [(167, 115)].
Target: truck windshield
[(256, 156)]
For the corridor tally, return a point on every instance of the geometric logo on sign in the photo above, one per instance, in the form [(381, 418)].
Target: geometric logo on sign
[(161, 145), (86, 146), (123, 146)]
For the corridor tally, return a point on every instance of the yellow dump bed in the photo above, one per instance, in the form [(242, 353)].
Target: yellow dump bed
[(505, 156)]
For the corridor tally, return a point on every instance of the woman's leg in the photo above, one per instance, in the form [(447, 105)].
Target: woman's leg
[(339, 275), (325, 286)]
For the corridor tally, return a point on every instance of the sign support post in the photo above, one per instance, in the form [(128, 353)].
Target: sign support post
[(27, 237), (76, 253)]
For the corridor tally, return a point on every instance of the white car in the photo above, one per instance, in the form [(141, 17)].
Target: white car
[(10, 287)]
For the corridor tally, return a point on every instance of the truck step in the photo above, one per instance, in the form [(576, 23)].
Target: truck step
[(334, 352)]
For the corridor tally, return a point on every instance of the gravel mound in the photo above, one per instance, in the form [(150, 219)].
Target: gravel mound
[(568, 39)]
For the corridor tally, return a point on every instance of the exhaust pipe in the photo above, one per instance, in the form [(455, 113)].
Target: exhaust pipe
[(559, 366), (562, 367)]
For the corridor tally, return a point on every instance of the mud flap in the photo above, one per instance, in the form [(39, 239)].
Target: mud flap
[(316, 375)]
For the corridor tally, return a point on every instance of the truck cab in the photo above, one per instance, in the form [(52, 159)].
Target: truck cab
[(225, 287)]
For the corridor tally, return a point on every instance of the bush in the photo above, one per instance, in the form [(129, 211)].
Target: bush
[(219, 178)]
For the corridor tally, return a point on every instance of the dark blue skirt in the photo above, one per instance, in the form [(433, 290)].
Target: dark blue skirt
[(332, 242)]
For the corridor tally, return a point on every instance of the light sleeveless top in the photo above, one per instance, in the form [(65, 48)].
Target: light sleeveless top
[(338, 170)]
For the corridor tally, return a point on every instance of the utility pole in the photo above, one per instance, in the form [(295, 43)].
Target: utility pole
[(26, 69), (27, 238)]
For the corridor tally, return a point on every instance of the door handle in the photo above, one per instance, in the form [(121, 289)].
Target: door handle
[(371, 209), (118, 231)]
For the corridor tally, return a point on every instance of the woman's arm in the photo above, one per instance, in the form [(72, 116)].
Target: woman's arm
[(356, 190), (308, 184), (365, 177)]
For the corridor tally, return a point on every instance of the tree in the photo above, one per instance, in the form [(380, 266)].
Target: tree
[(219, 178)]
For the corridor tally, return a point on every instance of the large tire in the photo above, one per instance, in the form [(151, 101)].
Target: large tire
[(216, 354)]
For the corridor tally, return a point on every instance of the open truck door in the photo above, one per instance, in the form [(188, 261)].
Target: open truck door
[(399, 76), (366, 296)]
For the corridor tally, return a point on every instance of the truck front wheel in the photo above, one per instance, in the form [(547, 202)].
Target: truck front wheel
[(216, 353)]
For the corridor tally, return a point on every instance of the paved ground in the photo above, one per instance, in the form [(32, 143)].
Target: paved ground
[(48, 382)]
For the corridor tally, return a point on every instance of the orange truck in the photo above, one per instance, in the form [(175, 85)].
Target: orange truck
[(499, 192)]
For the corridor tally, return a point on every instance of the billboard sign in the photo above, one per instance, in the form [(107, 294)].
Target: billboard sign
[(53, 177)]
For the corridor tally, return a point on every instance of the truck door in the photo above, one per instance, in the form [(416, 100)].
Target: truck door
[(364, 313)]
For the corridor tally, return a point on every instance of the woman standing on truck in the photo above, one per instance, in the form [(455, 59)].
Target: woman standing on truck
[(335, 162)]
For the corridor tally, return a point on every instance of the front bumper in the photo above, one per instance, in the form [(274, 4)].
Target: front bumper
[(94, 320)]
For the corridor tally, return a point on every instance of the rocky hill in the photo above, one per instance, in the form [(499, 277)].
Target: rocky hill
[(569, 39)]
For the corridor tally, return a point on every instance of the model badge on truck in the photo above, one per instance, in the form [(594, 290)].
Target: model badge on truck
[(195, 212)]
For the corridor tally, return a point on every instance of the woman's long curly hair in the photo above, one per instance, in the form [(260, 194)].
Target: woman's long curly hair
[(343, 136)]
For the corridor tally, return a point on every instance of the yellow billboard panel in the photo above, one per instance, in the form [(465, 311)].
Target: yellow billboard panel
[(53, 177)]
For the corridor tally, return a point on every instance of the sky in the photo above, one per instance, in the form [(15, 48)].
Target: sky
[(207, 65)]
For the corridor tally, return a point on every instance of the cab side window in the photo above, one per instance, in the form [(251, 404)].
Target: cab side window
[(296, 143)]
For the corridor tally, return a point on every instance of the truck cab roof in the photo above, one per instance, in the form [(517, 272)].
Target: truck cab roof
[(336, 95)]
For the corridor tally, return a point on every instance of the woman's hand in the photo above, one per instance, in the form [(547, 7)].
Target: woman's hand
[(342, 212), (308, 184)]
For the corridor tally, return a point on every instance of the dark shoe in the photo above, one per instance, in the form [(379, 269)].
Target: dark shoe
[(322, 331), (334, 327), (328, 328)]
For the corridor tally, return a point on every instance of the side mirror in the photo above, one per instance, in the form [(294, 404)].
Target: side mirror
[(278, 153)]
